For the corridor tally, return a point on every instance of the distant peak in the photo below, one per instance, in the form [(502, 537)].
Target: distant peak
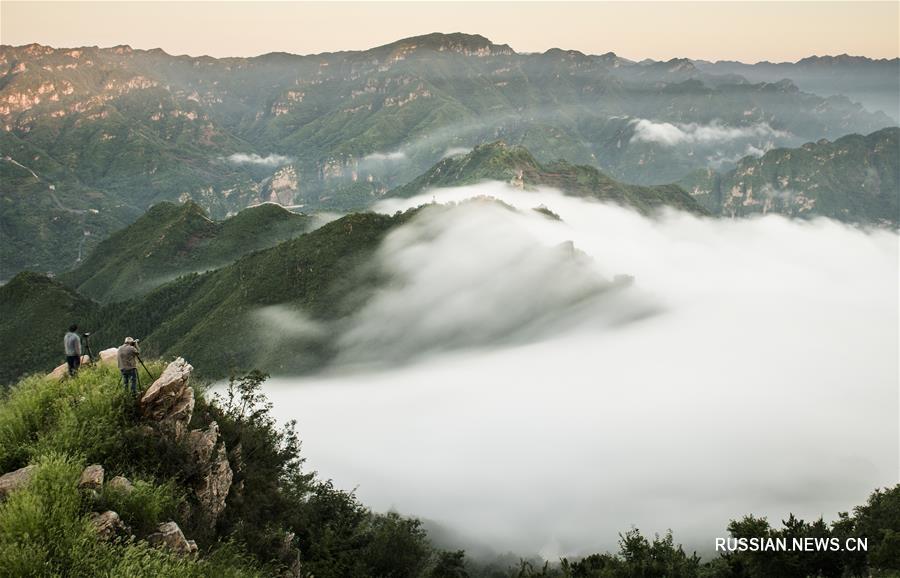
[(469, 44)]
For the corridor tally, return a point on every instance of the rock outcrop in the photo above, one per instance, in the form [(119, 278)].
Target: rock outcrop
[(169, 535), (91, 478), (216, 475), (169, 401), (169, 404), (108, 524), (15, 480), (289, 555), (120, 484)]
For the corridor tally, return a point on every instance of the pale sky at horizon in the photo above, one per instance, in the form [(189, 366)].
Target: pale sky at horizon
[(746, 31)]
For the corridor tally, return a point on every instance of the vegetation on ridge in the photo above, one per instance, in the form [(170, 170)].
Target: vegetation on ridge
[(172, 240), (61, 426), (498, 161)]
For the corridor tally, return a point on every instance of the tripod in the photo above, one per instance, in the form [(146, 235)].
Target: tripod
[(87, 347), (145, 369)]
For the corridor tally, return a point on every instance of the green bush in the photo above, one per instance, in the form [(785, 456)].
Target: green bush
[(145, 507), (42, 529)]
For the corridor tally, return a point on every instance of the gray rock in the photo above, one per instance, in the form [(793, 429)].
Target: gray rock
[(289, 555), (170, 536), (121, 484), (91, 478), (215, 480), (15, 480), (108, 524), (169, 401)]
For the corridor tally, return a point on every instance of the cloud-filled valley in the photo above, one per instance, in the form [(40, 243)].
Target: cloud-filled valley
[(751, 367)]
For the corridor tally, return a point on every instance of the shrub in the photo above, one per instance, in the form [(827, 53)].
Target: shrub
[(145, 507), (42, 530)]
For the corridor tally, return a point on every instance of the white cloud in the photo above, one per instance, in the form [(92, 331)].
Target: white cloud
[(455, 151), (669, 134), (271, 160), (391, 156), (721, 159), (752, 368)]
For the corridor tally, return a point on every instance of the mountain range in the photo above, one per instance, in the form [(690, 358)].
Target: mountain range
[(190, 284), (92, 137), (875, 83)]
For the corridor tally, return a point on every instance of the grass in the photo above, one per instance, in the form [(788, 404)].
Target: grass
[(60, 426), (87, 416)]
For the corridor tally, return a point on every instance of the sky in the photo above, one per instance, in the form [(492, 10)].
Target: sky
[(746, 31)]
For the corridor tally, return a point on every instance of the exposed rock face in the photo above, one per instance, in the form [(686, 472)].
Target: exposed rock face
[(15, 480), (170, 401), (121, 484), (170, 536), (215, 481), (108, 524), (91, 478)]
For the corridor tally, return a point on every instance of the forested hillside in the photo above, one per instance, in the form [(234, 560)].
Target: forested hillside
[(171, 240), (855, 178)]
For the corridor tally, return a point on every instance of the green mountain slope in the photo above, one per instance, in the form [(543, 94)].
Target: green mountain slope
[(35, 312), (855, 178), (515, 165), (211, 318), (172, 240)]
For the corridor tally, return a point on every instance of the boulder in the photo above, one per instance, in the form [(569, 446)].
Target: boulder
[(15, 480), (109, 356), (215, 478), (121, 484), (91, 478), (170, 536), (169, 401), (108, 524), (62, 371)]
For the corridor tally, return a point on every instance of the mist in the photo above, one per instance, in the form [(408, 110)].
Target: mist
[(669, 134), (271, 160), (505, 386)]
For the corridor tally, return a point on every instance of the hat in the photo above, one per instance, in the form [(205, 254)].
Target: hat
[(129, 340)]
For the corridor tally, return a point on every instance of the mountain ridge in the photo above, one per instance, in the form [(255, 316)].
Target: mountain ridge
[(516, 166)]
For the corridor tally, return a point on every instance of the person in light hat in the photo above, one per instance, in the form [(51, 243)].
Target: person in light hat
[(127, 356)]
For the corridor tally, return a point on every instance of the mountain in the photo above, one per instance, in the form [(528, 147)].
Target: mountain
[(105, 133), (35, 312), (318, 277), (171, 240), (873, 82), (515, 165), (855, 178)]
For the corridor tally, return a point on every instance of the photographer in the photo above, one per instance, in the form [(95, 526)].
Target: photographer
[(127, 356), (72, 344)]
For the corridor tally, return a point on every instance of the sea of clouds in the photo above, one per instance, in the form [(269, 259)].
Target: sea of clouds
[(504, 388)]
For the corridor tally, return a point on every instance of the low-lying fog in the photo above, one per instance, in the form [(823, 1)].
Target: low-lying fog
[(751, 367)]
